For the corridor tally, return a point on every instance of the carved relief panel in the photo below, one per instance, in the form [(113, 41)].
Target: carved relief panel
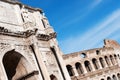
[(29, 20)]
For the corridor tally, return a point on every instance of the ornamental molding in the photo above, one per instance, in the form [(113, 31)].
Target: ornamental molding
[(27, 33), (45, 37), (21, 34)]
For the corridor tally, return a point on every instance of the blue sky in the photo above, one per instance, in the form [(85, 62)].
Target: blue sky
[(81, 24)]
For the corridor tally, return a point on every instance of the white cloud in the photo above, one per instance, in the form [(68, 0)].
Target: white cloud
[(94, 4), (84, 13), (95, 35)]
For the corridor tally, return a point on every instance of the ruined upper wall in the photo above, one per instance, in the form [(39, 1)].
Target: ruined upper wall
[(111, 43), (108, 48), (88, 54)]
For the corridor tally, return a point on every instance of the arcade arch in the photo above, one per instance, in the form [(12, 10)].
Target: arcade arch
[(15, 65)]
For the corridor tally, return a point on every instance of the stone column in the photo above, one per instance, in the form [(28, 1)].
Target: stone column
[(110, 61), (84, 69), (60, 59), (93, 68), (75, 71), (118, 60), (114, 60), (100, 67), (117, 78), (106, 65), (41, 63)]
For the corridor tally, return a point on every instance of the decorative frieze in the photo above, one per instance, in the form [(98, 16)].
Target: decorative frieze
[(22, 34), (27, 33), (46, 37)]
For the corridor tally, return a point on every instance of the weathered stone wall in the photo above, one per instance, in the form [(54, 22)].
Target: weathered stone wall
[(29, 50), (95, 64), (8, 43)]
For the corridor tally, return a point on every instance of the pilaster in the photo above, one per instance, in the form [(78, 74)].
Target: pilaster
[(84, 69), (40, 61), (93, 68), (75, 71), (100, 66), (106, 65), (62, 64)]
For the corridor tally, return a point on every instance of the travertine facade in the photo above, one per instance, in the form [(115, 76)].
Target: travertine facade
[(95, 64), (29, 50)]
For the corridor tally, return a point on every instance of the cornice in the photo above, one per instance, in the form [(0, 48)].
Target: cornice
[(46, 37), (21, 34), (27, 33)]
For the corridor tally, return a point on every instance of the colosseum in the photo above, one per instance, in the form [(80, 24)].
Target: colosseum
[(30, 51)]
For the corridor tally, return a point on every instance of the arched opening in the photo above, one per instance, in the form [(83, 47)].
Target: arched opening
[(53, 77), (70, 70), (114, 77), (107, 60), (88, 66), (83, 55), (95, 63), (97, 52), (118, 75), (102, 79), (118, 56), (79, 68), (108, 78), (13, 64), (102, 62), (112, 60), (115, 58)]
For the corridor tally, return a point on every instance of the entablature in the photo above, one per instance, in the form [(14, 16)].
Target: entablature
[(46, 37), (22, 34), (27, 33)]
